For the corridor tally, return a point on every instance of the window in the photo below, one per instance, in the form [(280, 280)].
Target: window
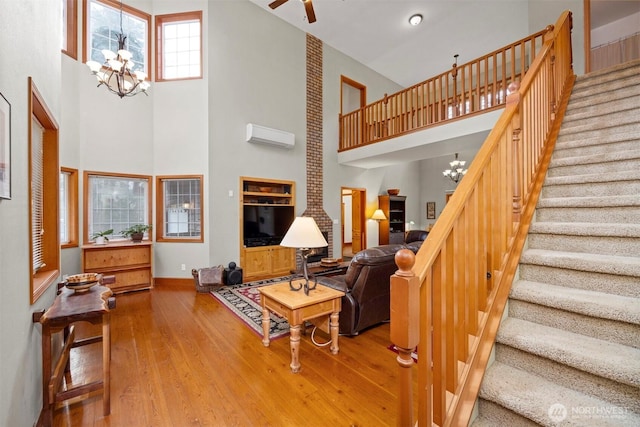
[(179, 46), (43, 191), (103, 22), (70, 28), (179, 208), (115, 202), (68, 207)]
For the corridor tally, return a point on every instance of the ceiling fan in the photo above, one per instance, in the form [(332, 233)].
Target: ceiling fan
[(308, 7)]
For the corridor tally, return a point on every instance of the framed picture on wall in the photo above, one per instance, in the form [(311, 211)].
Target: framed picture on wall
[(431, 210), (5, 148)]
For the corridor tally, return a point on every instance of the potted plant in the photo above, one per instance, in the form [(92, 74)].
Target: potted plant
[(136, 232), (101, 236)]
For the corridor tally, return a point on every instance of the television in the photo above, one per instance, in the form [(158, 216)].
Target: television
[(266, 225)]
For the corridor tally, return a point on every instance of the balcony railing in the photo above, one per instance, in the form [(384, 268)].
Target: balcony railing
[(472, 88), (449, 298)]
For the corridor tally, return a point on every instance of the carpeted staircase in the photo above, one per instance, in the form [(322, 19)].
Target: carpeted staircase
[(568, 348)]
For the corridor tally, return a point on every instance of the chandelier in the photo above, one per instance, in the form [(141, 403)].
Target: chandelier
[(457, 170), (116, 73)]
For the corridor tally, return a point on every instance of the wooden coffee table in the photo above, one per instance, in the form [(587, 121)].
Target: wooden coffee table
[(321, 303)]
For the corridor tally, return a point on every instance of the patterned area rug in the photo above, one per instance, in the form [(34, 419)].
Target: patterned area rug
[(244, 301)]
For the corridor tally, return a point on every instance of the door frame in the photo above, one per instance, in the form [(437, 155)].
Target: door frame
[(363, 200)]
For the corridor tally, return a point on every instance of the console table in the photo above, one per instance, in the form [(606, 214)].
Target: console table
[(91, 306)]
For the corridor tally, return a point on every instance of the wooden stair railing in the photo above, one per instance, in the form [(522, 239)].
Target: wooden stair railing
[(449, 298), (475, 87)]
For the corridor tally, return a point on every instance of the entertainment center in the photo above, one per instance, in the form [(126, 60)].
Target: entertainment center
[(267, 209)]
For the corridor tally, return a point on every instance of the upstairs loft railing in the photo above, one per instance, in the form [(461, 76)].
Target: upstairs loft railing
[(475, 87), (449, 298)]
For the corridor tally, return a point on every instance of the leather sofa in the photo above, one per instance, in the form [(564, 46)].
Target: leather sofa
[(366, 284)]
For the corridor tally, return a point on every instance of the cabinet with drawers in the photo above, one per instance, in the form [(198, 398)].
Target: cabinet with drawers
[(130, 263)]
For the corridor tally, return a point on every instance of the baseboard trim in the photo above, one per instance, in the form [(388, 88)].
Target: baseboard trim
[(173, 281)]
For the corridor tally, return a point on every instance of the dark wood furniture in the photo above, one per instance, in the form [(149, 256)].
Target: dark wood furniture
[(391, 230), (91, 305)]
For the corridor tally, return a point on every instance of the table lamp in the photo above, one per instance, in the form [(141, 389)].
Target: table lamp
[(304, 234)]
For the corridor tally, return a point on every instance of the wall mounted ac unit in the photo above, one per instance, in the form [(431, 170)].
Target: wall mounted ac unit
[(265, 135)]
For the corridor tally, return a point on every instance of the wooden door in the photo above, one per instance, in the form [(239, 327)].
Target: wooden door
[(357, 221)]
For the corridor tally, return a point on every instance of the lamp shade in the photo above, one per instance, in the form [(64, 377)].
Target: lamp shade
[(378, 215), (304, 233)]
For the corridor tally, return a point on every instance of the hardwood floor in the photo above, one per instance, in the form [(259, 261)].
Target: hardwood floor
[(179, 358)]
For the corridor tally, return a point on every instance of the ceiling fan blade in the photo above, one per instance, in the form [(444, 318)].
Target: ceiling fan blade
[(311, 15), (277, 3)]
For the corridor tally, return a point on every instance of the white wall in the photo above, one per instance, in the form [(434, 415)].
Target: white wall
[(254, 72), (25, 52), (615, 30), (544, 12)]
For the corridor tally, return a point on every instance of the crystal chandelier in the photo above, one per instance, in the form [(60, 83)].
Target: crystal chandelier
[(117, 74), (457, 170)]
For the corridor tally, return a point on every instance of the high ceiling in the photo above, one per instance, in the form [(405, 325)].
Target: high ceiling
[(377, 32)]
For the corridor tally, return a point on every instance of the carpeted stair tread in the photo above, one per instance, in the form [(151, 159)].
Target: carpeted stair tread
[(599, 357), (586, 229), (592, 106), (589, 303), (610, 156), (532, 397), (599, 144), (627, 200), (585, 133), (621, 176), (494, 415), (595, 263), (602, 111)]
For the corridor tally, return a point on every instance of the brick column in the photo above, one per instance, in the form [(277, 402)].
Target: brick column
[(315, 180)]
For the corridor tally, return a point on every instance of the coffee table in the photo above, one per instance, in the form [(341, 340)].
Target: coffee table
[(321, 304)]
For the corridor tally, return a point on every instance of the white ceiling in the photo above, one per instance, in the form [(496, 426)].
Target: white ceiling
[(377, 32)]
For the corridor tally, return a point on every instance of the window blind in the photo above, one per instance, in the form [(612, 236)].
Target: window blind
[(37, 180)]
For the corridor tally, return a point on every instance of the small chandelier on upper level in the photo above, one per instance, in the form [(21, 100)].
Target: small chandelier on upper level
[(117, 74), (457, 170)]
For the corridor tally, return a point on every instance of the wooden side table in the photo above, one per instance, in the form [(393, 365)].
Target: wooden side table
[(69, 307), (297, 308)]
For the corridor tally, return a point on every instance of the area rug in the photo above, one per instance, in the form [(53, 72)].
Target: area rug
[(244, 301)]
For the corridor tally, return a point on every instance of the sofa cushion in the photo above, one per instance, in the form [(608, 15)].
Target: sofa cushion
[(378, 255)]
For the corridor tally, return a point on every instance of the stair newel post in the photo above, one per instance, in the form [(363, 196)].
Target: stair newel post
[(514, 97), (405, 315)]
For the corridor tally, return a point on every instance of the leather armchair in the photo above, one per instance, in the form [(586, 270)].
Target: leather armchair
[(415, 236), (367, 288)]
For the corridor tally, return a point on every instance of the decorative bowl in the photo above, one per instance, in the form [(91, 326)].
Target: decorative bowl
[(82, 278), (82, 282), (393, 191)]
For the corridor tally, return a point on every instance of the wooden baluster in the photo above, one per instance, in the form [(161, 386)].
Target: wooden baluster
[(515, 98), (405, 313)]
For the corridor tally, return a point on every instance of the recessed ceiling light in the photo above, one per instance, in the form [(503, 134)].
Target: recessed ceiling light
[(415, 19)]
